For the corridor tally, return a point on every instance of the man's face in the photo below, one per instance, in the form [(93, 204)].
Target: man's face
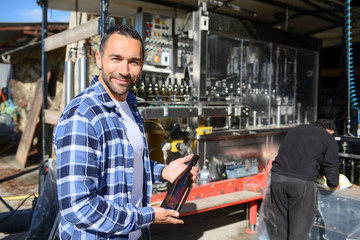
[(120, 65)]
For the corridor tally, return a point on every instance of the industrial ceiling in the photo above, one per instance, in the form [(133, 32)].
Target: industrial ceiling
[(322, 19)]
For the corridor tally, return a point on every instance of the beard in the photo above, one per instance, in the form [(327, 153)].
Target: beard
[(118, 89)]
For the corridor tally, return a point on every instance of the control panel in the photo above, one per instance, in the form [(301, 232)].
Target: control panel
[(156, 32)]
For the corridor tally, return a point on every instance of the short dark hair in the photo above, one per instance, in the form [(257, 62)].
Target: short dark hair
[(123, 30), (326, 124)]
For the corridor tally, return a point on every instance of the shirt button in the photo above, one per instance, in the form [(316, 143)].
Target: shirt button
[(116, 109), (131, 169), (129, 193)]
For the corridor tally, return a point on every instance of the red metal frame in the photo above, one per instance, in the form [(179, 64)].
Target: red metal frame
[(255, 183)]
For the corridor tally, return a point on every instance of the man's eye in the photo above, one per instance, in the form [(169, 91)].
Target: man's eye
[(135, 62)]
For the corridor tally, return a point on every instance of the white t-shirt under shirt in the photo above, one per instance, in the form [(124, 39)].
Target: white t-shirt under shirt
[(135, 138)]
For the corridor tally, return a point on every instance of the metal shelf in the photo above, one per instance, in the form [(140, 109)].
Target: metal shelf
[(185, 110)]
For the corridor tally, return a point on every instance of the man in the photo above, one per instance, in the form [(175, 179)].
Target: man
[(104, 174), (306, 152)]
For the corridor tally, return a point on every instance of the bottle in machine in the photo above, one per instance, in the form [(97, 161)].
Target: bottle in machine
[(187, 87), (156, 88), (134, 90), (182, 90), (142, 89), (170, 90), (163, 91), (342, 165), (150, 89), (176, 88), (179, 190)]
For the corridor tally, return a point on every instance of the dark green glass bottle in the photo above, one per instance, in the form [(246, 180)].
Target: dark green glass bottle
[(180, 189), (150, 91)]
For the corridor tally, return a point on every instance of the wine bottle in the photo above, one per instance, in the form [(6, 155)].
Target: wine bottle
[(134, 90), (175, 88), (182, 90), (156, 88), (163, 92), (170, 90), (179, 190), (142, 89), (150, 90)]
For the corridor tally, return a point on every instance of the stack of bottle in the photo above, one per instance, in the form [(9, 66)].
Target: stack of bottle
[(156, 88)]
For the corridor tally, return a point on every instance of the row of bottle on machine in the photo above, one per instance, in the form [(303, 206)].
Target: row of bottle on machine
[(351, 169), (155, 89)]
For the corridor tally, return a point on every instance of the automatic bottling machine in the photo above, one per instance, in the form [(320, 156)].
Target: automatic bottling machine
[(223, 88)]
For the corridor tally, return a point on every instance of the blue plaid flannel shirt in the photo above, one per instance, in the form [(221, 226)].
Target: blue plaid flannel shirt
[(95, 169)]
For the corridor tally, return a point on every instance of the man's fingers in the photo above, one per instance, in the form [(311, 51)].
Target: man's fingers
[(166, 216), (176, 221), (173, 217), (187, 158), (172, 213)]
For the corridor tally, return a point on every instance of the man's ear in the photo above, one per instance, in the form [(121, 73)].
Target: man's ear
[(330, 131), (98, 59)]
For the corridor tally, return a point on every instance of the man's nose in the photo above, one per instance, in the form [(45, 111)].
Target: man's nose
[(124, 68)]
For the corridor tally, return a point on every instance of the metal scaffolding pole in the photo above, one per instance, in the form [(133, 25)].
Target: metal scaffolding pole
[(104, 17), (44, 70)]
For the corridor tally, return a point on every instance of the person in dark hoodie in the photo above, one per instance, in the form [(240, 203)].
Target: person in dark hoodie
[(306, 152)]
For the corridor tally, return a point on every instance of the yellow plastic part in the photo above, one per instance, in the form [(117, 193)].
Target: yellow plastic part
[(203, 130), (173, 145)]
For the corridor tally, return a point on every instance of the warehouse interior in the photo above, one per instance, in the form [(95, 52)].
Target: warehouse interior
[(223, 79)]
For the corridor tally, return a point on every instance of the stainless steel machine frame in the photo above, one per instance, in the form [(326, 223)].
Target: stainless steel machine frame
[(241, 84)]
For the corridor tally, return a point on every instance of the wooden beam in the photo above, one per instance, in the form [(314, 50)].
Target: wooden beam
[(27, 136), (81, 32)]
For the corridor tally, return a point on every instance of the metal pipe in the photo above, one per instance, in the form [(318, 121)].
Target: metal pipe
[(69, 80), (82, 71), (104, 15), (44, 73)]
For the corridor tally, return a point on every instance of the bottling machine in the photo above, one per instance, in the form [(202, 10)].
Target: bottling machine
[(225, 89), (214, 74)]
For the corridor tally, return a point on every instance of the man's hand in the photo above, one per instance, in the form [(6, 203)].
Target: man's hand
[(166, 216), (176, 167), (335, 188)]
